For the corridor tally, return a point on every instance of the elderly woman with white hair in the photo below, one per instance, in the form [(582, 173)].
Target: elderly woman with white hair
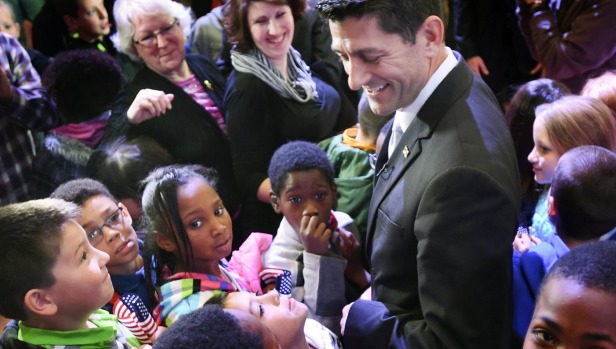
[(176, 98)]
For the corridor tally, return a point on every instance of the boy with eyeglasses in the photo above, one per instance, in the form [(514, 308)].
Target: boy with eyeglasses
[(53, 282), (108, 226)]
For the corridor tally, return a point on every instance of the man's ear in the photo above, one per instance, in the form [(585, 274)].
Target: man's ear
[(433, 32), (39, 302), (125, 214), (275, 201), (71, 23), (164, 242)]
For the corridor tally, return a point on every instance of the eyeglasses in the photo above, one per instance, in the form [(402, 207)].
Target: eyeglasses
[(151, 39), (114, 221)]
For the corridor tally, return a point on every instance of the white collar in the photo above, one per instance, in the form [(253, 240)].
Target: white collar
[(404, 116)]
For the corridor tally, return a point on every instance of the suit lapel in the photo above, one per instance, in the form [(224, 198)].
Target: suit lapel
[(452, 88), (396, 166)]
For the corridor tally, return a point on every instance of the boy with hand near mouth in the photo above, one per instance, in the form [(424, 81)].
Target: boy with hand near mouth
[(318, 245)]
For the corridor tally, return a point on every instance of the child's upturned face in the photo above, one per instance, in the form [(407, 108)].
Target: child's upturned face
[(7, 23), (568, 315), (82, 280), (283, 315), (543, 157), (119, 239), (306, 193), (92, 20), (206, 221)]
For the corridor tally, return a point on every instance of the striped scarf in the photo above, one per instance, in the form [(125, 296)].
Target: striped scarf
[(185, 292)]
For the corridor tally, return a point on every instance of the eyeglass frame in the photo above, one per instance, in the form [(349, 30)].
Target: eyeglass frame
[(154, 35), (99, 231)]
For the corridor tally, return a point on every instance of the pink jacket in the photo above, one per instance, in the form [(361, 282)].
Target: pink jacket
[(246, 261)]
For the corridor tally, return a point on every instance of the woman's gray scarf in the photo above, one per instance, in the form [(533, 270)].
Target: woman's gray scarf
[(298, 86)]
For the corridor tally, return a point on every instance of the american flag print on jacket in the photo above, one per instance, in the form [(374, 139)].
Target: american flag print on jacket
[(132, 313)]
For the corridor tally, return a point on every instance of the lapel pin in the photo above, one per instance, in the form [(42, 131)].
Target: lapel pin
[(208, 84), (406, 152)]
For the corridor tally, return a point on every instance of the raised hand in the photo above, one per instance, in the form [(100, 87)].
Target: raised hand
[(147, 105)]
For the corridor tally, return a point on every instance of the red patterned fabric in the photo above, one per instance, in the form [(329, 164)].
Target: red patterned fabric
[(132, 313)]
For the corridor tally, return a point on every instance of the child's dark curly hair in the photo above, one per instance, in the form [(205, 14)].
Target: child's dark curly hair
[(210, 327), (83, 83), (298, 156)]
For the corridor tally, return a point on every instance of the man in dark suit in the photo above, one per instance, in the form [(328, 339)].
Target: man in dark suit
[(446, 194)]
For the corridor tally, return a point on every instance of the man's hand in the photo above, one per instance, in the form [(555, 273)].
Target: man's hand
[(478, 66), (147, 105), (345, 313)]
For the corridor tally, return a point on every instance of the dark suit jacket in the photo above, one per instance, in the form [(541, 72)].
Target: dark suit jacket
[(440, 228)]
